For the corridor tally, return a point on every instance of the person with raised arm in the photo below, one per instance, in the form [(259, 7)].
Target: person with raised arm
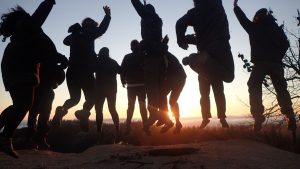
[(80, 73), (154, 62), (28, 47), (268, 46)]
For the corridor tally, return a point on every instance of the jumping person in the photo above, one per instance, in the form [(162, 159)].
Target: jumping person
[(154, 62), (29, 46), (268, 46), (80, 73), (214, 61)]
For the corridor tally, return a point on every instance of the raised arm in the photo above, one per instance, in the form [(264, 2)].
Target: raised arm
[(42, 12), (103, 26), (241, 16), (181, 27), (139, 7)]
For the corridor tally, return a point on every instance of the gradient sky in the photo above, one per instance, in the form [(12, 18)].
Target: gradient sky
[(125, 26)]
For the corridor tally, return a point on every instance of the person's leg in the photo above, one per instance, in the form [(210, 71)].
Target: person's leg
[(255, 94), (151, 87), (75, 94), (283, 96), (33, 114), (111, 101), (100, 99), (175, 93), (73, 84), (163, 108), (204, 87), (45, 110), (22, 99), (142, 103), (218, 89), (88, 88), (131, 95)]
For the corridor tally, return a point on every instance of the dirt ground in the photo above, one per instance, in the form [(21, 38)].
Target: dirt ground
[(231, 154)]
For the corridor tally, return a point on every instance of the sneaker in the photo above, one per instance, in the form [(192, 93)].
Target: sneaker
[(166, 127), (224, 123), (83, 117), (57, 118), (204, 123), (159, 123), (258, 123), (151, 120), (7, 147), (177, 128)]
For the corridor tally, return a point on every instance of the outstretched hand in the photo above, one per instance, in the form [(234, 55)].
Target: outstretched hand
[(145, 2), (106, 10), (235, 3)]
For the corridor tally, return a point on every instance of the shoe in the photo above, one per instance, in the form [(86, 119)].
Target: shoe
[(151, 120), (7, 147), (258, 123), (177, 128), (224, 123), (167, 127), (83, 117), (159, 123), (292, 126), (204, 123), (57, 118), (41, 143)]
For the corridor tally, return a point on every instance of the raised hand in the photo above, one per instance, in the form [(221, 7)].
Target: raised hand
[(106, 10), (235, 3), (145, 3)]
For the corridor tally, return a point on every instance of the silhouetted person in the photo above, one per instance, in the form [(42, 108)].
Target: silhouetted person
[(268, 46), (28, 47), (106, 88), (173, 84), (80, 73), (214, 61), (209, 20), (51, 76), (154, 62), (132, 75)]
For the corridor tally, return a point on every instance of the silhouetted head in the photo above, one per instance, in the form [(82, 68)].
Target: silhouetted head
[(103, 52), (260, 14), (150, 7), (75, 28), (135, 45), (12, 21), (89, 24)]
